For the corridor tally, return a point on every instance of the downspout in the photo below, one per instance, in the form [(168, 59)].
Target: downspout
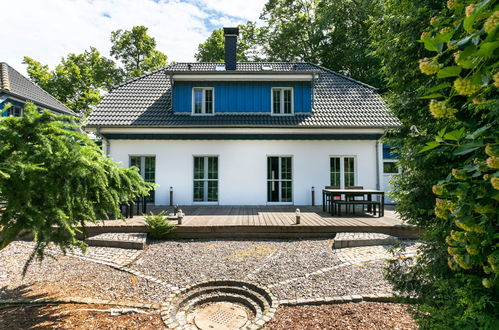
[(377, 166), (106, 142)]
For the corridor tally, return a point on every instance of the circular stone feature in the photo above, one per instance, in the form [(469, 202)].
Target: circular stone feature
[(220, 315)]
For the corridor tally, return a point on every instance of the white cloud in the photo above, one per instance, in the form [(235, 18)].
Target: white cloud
[(50, 29), (247, 9)]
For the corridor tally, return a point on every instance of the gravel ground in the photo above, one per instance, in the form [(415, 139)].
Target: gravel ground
[(356, 279), (70, 277), (359, 316), (74, 317), (182, 262)]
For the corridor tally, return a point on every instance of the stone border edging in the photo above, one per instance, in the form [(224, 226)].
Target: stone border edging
[(76, 300), (380, 297)]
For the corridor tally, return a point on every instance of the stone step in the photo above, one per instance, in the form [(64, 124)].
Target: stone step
[(119, 240), (345, 240)]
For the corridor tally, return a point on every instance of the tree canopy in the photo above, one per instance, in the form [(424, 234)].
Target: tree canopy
[(53, 179), (78, 80), (248, 45), (136, 50)]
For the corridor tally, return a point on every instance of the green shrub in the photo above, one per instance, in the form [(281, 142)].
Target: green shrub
[(158, 225)]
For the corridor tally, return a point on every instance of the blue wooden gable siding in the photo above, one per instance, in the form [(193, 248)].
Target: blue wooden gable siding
[(4, 103), (241, 96)]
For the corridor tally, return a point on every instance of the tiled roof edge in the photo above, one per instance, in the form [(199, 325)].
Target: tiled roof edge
[(139, 77), (44, 91), (343, 76), (4, 79)]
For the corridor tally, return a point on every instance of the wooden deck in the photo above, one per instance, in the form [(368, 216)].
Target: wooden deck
[(266, 222)]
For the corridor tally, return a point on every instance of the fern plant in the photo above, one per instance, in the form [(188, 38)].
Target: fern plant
[(158, 225)]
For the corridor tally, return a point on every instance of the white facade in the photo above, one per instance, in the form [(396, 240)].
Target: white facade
[(242, 166)]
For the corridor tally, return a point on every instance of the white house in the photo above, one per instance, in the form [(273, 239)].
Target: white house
[(245, 133)]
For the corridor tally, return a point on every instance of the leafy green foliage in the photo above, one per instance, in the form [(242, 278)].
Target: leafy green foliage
[(53, 179), (213, 49), (451, 150), (78, 80), (137, 51), (158, 225)]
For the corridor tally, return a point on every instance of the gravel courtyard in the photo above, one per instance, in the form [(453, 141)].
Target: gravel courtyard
[(292, 269)]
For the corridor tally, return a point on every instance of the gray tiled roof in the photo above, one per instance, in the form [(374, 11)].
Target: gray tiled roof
[(338, 102), (14, 83)]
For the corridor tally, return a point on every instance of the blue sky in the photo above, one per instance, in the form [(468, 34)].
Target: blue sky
[(46, 30)]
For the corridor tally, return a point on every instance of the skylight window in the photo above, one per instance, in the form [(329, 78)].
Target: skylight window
[(266, 67)]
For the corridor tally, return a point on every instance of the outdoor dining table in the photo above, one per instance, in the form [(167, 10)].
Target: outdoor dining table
[(354, 192)]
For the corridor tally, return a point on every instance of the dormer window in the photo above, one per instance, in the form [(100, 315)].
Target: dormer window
[(282, 101), (202, 101)]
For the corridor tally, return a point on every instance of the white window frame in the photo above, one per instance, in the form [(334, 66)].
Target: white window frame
[(281, 107), (206, 180), (143, 168), (280, 180), (342, 169), (203, 105), (15, 107)]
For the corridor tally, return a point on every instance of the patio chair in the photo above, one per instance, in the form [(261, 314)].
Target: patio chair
[(353, 197)]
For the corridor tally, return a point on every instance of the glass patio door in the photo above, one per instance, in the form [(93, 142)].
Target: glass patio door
[(279, 179), (147, 169), (205, 179)]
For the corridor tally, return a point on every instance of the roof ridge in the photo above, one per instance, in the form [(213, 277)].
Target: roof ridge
[(344, 76), (43, 90), (140, 77), (4, 76)]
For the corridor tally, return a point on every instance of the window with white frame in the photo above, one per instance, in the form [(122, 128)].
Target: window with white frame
[(202, 100), (279, 179), (282, 100), (15, 111), (205, 179), (342, 171), (147, 169)]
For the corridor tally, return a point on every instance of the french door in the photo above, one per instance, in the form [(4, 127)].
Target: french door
[(279, 179), (147, 169), (205, 179)]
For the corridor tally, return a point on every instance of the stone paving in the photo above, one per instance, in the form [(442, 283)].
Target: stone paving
[(343, 240), (106, 255), (119, 240)]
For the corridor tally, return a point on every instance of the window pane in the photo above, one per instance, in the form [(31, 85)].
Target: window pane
[(198, 167), (287, 101), (135, 161), (286, 195), (212, 191), (208, 96), (286, 168), (212, 167), (150, 169), (335, 171), (198, 191), (272, 191), (273, 168), (276, 106), (390, 167), (349, 168), (198, 100)]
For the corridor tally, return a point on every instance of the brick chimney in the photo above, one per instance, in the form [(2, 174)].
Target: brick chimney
[(230, 34)]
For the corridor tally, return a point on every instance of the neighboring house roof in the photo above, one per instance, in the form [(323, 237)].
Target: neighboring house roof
[(23, 89), (338, 101)]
